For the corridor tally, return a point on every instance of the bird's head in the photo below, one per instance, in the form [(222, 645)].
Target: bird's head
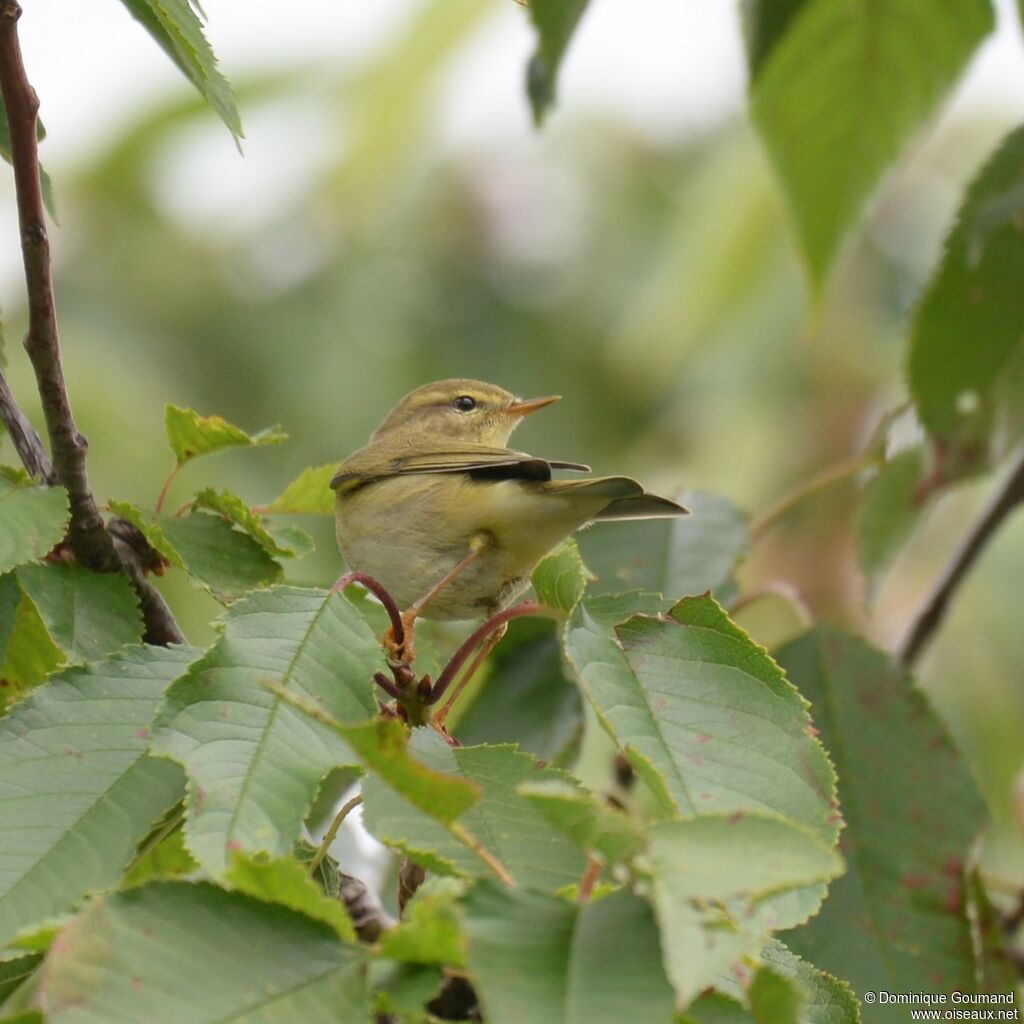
[(469, 410)]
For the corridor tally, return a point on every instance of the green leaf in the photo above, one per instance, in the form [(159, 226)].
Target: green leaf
[(29, 654), (561, 578), (14, 972), (707, 710), (254, 762), (775, 999), (150, 527), (896, 920), (32, 521), (844, 90), (168, 859), (77, 789), (526, 697), (191, 435), (765, 23), (716, 886), (171, 952), (716, 1008), (226, 561), (829, 1000), (889, 509), (537, 958), (44, 178), (429, 932), (309, 494), (236, 511), (219, 557), (592, 825), (87, 614), (505, 824), (284, 881), (555, 22), (675, 557), (969, 394), (179, 32)]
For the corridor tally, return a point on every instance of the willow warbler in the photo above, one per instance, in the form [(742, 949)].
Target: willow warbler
[(450, 520)]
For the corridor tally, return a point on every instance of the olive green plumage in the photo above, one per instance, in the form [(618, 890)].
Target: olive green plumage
[(437, 478)]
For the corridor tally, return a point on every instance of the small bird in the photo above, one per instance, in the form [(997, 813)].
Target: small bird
[(452, 522)]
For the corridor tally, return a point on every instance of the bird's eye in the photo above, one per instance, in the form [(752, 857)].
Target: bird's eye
[(464, 403)]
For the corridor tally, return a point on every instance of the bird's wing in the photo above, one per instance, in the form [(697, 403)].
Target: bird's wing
[(480, 461)]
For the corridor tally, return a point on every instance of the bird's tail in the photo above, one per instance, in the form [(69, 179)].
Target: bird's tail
[(628, 498)]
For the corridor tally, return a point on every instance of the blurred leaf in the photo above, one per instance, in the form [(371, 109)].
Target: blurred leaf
[(254, 762), (168, 859), (309, 494), (912, 811), (707, 710), (14, 972), (555, 21), (507, 825), (561, 578), (537, 958), (775, 999), (765, 23), (716, 1008), (234, 958), (716, 885), (223, 559), (593, 826), (29, 654), (284, 881), (44, 178), (526, 698), (844, 90), (996, 971), (236, 511), (969, 394), (32, 520), (674, 557), (87, 614), (77, 798), (179, 32), (429, 931), (772, 616), (890, 507), (191, 435)]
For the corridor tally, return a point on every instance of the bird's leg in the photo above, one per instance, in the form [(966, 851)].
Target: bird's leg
[(478, 659), (402, 651)]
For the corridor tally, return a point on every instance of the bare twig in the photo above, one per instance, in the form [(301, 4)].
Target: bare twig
[(833, 474), (24, 436), (90, 541), (332, 833), (444, 680), (1007, 496)]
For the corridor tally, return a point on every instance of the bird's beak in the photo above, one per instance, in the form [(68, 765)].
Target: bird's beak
[(521, 407)]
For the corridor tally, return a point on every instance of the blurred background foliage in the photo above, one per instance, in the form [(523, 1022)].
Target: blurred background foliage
[(655, 285)]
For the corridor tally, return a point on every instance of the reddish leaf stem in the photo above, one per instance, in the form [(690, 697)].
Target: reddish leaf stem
[(379, 591)]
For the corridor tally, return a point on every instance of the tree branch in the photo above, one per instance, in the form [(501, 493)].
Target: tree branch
[(929, 616), (90, 541), (88, 537), (24, 436)]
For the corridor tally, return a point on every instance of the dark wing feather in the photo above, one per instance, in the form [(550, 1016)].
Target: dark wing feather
[(479, 461)]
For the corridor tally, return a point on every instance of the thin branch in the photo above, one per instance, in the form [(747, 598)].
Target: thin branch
[(332, 833), (470, 644), (926, 620), (24, 436), (89, 540), (833, 474), (379, 591)]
